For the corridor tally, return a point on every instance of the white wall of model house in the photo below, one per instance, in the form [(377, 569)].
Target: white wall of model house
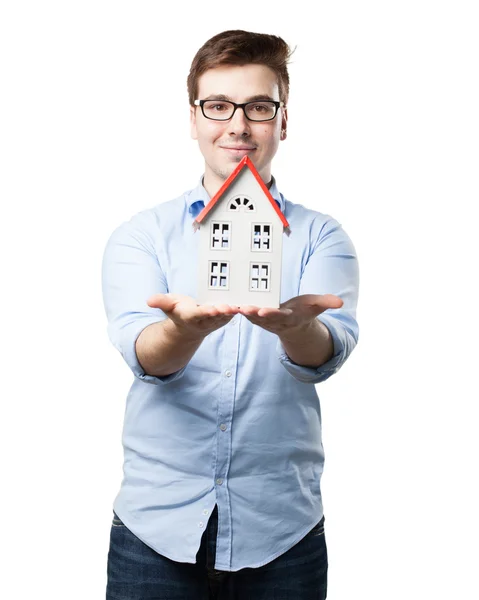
[(240, 247)]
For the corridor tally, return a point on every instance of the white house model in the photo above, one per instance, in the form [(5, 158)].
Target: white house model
[(241, 242)]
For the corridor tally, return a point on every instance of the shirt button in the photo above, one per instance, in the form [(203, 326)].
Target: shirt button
[(206, 512), (219, 481), (201, 524), (223, 427), (233, 321), (228, 373)]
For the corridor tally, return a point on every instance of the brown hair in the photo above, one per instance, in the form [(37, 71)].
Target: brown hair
[(238, 47)]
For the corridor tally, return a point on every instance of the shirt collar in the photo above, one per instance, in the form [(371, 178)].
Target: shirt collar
[(198, 198)]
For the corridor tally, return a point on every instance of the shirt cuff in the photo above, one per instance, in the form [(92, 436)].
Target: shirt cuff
[(128, 350), (319, 374)]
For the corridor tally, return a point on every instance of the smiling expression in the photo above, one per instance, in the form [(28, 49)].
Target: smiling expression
[(224, 143)]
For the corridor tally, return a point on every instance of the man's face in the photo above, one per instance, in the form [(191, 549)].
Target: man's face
[(224, 143)]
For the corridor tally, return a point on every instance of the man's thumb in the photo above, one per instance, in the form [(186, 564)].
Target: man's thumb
[(163, 301)]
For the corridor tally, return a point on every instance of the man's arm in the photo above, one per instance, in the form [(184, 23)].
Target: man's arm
[(327, 300), (311, 346), (156, 333), (164, 348)]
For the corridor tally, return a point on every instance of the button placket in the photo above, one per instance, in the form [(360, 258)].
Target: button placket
[(226, 399)]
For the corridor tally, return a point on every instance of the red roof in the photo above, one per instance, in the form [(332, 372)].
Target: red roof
[(245, 161)]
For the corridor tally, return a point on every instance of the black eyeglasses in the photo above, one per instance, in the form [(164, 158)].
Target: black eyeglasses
[(223, 110)]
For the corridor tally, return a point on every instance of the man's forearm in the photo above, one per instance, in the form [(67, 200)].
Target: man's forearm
[(309, 347), (162, 348)]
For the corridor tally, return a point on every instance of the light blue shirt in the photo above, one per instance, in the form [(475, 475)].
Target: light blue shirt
[(240, 425)]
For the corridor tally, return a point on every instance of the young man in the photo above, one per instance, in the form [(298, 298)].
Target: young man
[(222, 434)]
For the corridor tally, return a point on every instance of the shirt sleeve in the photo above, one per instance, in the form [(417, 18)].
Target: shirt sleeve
[(131, 273), (331, 268)]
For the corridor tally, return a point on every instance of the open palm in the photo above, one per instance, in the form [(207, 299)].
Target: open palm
[(188, 316)]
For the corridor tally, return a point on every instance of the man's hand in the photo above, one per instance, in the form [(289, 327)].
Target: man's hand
[(197, 321), (293, 315)]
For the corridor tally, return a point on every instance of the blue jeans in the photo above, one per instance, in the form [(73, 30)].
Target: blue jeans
[(137, 572)]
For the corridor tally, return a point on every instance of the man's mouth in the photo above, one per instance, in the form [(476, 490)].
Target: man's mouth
[(238, 150)]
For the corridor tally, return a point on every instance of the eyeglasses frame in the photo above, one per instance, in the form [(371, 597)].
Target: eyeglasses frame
[(277, 104)]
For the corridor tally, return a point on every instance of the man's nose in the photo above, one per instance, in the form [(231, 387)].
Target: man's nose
[(239, 124)]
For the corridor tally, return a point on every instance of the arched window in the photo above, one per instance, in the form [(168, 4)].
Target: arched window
[(241, 203)]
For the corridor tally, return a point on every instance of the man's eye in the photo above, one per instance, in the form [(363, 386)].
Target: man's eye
[(261, 108), (217, 107)]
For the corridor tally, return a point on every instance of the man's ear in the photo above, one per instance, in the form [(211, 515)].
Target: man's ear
[(284, 123), (193, 132)]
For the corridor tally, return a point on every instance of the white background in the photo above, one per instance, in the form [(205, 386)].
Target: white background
[(383, 123)]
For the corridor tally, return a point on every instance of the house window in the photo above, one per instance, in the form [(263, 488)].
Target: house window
[(219, 275), (241, 203), (261, 237), (260, 277), (220, 235)]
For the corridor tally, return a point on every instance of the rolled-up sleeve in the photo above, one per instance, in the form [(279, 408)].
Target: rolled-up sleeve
[(131, 273), (331, 268)]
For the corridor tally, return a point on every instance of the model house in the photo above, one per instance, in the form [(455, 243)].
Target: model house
[(241, 241)]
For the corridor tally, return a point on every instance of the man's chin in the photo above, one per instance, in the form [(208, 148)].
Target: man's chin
[(233, 161), (226, 168)]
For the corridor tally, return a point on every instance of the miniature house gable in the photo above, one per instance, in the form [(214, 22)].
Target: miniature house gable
[(241, 241)]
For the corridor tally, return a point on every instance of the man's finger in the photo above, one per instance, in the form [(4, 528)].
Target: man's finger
[(226, 309), (164, 301), (276, 312), (333, 301)]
